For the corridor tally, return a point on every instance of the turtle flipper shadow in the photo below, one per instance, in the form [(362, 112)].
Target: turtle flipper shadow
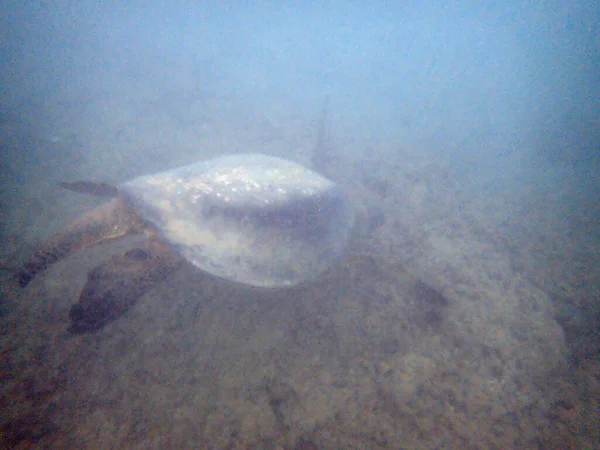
[(108, 221), (114, 286)]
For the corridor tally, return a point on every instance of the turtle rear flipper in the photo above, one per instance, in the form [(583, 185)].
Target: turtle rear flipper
[(98, 189), (113, 287), (108, 221)]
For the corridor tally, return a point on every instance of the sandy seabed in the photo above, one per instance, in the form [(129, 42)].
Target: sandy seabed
[(450, 326)]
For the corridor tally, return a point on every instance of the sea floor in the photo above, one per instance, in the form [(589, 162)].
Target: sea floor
[(468, 320)]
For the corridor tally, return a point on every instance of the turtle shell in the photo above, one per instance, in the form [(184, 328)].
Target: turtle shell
[(249, 218)]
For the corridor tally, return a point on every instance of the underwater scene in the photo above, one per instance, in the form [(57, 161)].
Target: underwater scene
[(299, 225)]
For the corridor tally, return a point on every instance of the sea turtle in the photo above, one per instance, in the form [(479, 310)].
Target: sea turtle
[(252, 219)]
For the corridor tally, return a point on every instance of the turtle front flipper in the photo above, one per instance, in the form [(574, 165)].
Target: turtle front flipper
[(113, 287), (108, 221)]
